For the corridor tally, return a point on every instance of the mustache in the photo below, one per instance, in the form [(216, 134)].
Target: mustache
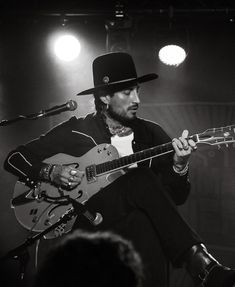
[(133, 107)]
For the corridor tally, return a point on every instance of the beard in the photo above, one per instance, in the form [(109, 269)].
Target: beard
[(124, 120)]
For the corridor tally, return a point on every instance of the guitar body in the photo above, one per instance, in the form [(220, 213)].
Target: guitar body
[(36, 213)]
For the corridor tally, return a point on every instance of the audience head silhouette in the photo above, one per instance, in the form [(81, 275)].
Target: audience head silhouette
[(100, 259)]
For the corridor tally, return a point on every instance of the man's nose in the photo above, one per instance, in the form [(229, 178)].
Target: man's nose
[(135, 96)]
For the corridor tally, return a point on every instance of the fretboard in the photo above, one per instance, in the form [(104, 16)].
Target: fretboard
[(128, 160)]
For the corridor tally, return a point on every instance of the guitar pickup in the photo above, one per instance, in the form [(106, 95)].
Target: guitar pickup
[(91, 173)]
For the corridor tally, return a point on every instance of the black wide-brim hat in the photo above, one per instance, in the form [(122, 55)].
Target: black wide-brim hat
[(113, 71)]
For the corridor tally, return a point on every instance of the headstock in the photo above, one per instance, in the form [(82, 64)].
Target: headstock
[(217, 136)]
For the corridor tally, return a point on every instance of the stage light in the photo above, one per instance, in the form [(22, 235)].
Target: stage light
[(118, 34), (172, 55), (67, 48)]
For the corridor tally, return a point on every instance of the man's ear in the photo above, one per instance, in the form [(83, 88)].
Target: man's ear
[(105, 99)]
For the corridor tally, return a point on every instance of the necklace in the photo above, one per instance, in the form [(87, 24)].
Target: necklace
[(116, 128), (120, 130)]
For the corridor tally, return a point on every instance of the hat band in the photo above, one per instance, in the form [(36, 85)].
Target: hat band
[(115, 82)]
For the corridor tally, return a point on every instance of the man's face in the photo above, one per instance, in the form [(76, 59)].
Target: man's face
[(123, 105)]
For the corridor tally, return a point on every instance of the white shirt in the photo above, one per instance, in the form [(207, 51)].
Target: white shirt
[(123, 145)]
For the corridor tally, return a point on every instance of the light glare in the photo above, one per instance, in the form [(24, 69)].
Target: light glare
[(67, 48), (172, 55)]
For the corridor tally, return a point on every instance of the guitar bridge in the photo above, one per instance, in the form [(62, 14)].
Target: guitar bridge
[(91, 173)]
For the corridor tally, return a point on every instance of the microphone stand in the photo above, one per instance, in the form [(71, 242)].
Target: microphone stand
[(34, 116), (69, 106), (21, 251)]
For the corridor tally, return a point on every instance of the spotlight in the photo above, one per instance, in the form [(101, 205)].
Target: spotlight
[(67, 48), (172, 55), (173, 42), (172, 45)]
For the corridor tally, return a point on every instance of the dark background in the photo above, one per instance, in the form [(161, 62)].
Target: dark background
[(197, 95)]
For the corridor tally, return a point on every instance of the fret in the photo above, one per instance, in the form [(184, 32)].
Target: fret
[(112, 164), (106, 166), (99, 169), (122, 161), (125, 160), (115, 163)]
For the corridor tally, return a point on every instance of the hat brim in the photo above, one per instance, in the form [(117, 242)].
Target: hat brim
[(116, 85)]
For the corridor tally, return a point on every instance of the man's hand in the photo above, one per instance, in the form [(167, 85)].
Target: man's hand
[(66, 175), (183, 148)]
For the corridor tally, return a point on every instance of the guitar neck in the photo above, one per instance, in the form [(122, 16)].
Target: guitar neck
[(143, 155)]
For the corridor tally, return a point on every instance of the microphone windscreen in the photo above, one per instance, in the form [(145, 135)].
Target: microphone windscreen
[(72, 105)]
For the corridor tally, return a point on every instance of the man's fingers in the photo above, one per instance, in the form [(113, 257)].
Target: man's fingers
[(185, 134), (177, 143), (77, 173), (184, 143), (73, 172), (192, 144), (180, 144)]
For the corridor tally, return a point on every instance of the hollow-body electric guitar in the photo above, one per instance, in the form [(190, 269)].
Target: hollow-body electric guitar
[(43, 205)]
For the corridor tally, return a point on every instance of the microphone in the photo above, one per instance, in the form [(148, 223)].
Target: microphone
[(69, 106), (94, 219)]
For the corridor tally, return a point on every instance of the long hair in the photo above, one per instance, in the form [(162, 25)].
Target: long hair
[(99, 105)]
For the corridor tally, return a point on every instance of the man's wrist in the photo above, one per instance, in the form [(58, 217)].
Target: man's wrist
[(181, 169), (45, 172)]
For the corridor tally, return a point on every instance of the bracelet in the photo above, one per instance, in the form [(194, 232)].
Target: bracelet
[(46, 172), (183, 171)]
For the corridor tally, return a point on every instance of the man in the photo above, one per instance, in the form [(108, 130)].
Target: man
[(140, 204), (100, 259)]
